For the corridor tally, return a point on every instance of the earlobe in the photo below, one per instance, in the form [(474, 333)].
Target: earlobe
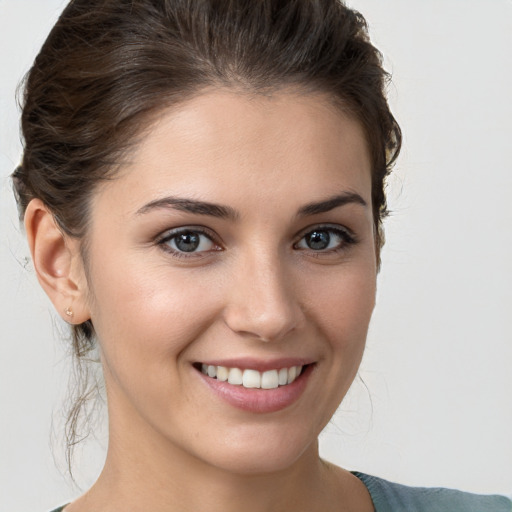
[(55, 258)]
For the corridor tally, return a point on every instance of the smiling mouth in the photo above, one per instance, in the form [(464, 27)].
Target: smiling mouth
[(252, 379)]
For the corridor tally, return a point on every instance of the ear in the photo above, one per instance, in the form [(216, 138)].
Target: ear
[(58, 263)]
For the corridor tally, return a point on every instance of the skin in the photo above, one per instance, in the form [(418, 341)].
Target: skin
[(256, 290)]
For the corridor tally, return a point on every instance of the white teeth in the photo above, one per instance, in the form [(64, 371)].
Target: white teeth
[(222, 373), (235, 376), (283, 376), (269, 380), (292, 374), (253, 379)]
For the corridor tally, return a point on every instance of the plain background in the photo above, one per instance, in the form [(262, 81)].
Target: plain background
[(438, 366)]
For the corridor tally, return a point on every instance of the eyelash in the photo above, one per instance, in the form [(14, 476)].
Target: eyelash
[(168, 236), (347, 238)]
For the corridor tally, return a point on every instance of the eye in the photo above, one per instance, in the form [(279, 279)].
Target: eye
[(187, 241), (325, 239)]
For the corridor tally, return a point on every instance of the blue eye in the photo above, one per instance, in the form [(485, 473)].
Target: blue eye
[(187, 241), (325, 239)]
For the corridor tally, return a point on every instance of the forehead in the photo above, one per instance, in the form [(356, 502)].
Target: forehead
[(247, 147)]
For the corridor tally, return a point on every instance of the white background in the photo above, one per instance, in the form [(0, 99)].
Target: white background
[(439, 360)]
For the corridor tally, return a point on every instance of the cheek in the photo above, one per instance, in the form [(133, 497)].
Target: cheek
[(343, 312), (348, 298), (145, 320), (148, 316)]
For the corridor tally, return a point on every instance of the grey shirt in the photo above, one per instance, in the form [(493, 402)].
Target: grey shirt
[(391, 497)]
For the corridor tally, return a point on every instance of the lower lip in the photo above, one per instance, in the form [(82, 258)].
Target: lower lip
[(259, 400)]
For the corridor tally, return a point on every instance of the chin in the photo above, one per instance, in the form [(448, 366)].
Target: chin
[(257, 464), (260, 452)]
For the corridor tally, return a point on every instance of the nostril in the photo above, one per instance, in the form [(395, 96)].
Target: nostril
[(263, 328)]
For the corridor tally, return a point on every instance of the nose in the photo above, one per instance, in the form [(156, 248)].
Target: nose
[(263, 300)]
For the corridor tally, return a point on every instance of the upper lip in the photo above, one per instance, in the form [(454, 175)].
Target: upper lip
[(261, 365)]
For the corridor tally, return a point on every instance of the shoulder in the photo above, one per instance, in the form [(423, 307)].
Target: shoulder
[(392, 497)]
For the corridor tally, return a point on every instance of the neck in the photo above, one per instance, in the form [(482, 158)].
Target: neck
[(172, 481), (147, 478), (145, 470)]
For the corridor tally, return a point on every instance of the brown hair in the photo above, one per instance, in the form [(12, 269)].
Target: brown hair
[(108, 66)]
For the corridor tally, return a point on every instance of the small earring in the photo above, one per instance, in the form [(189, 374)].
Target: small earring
[(69, 312)]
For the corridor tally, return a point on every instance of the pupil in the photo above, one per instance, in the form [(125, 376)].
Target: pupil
[(187, 242), (319, 240)]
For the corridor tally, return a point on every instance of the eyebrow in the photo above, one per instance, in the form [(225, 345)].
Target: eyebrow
[(331, 203), (226, 212), (191, 206)]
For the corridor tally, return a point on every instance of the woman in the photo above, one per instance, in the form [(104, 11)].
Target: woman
[(202, 191)]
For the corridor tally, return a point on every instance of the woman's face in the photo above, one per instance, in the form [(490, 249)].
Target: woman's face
[(237, 241)]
